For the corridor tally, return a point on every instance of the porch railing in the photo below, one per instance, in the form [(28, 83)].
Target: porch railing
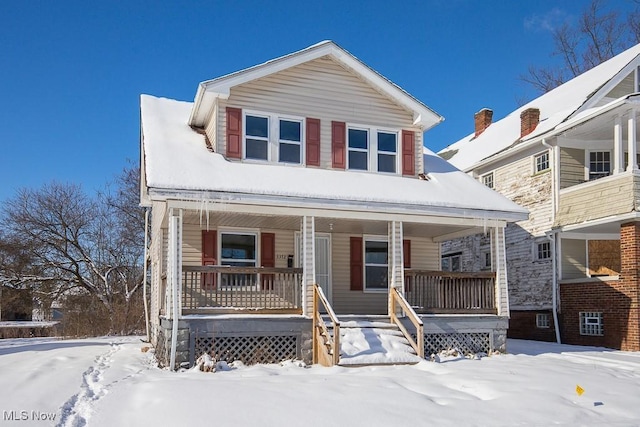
[(241, 288), (400, 304), (326, 345), (430, 291)]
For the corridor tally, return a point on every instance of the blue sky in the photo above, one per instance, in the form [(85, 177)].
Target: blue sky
[(71, 72)]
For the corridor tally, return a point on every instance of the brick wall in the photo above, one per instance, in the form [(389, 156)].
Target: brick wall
[(617, 300), (522, 325)]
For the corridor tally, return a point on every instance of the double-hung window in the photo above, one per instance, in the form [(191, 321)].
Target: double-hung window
[(451, 262), (387, 151), (599, 164), (256, 137), (376, 267), (542, 162), (358, 143), (290, 141), (542, 251), (372, 149), (488, 180)]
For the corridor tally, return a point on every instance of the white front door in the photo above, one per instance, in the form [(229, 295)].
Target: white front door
[(323, 261)]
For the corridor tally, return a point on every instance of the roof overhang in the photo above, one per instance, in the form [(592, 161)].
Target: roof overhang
[(210, 90)]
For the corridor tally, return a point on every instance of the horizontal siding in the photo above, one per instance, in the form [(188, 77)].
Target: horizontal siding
[(571, 167), (614, 195), (573, 259), (324, 90)]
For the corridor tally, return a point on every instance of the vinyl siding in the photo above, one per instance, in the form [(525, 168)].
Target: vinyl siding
[(571, 167), (324, 90), (573, 259)]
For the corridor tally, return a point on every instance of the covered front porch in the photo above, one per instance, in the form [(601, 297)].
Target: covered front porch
[(249, 275)]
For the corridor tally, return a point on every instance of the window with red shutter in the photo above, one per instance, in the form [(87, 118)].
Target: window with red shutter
[(338, 145), (408, 152), (356, 263), (313, 142), (209, 249), (234, 133)]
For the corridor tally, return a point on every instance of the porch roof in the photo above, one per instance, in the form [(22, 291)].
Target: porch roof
[(176, 159)]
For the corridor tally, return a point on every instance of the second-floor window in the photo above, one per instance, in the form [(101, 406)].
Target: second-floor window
[(269, 137), (543, 251), (372, 149), (488, 180), (542, 162), (599, 164), (451, 262)]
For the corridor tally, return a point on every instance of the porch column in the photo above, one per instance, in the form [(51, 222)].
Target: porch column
[(174, 265), (500, 268), (618, 153), (308, 231), (632, 164), (396, 262)]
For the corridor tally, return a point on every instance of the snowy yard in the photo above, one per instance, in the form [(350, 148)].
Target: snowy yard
[(109, 381)]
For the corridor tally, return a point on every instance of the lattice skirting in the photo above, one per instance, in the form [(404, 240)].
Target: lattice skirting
[(249, 349), (466, 342)]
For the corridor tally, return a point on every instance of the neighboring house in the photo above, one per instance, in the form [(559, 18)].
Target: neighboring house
[(308, 170), (571, 158)]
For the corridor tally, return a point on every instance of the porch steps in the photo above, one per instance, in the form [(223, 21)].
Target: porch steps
[(373, 341)]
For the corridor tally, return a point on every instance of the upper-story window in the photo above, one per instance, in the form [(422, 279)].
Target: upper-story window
[(599, 164), (488, 180), (290, 143), (541, 162), (257, 137), (270, 137), (372, 149)]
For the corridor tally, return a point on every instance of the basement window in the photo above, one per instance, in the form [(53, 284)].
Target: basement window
[(543, 320), (591, 323)]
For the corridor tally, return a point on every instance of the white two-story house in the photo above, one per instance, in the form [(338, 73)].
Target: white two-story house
[(571, 158), (296, 193)]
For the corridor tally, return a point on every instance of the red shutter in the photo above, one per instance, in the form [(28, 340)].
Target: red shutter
[(408, 152), (356, 263), (209, 248), (406, 251), (267, 257), (234, 133), (313, 142), (338, 145)]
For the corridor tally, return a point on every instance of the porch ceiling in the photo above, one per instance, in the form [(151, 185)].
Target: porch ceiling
[(214, 220), (600, 128)]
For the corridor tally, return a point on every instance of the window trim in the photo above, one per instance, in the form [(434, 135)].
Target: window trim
[(485, 178), (373, 238), (543, 320), (536, 250), (587, 164), (273, 137), (372, 150), (594, 329), (536, 163), (240, 231)]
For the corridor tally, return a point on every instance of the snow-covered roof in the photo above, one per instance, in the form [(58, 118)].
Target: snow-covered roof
[(556, 107), (208, 90), (176, 159)]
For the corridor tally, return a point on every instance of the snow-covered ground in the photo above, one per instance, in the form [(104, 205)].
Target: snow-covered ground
[(111, 382)]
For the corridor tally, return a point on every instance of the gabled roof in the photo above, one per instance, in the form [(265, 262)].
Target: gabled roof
[(556, 107), (220, 87), (177, 163)]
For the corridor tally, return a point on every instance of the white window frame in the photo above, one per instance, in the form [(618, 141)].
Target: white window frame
[(242, 232), (488, 179), (536, 250), (485, 259), (300, 143), (373, 238), (591, 323), (543, 320), (372, 150), (245, 136), (273, 136), (537, 163), (587, 163)]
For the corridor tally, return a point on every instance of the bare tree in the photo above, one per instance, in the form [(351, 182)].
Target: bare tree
[(597, 36), (77, 245)]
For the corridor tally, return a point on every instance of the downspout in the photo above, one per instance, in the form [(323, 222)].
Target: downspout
[(146, 266), (551, 235), (174, 224)]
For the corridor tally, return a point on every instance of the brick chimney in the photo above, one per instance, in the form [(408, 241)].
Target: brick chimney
[(529, 119), (482, 120)]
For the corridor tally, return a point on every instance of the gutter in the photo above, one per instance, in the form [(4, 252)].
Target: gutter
[(551, 235)]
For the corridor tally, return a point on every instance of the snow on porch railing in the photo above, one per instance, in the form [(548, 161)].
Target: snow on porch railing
[(445, 292), (241, 288)]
